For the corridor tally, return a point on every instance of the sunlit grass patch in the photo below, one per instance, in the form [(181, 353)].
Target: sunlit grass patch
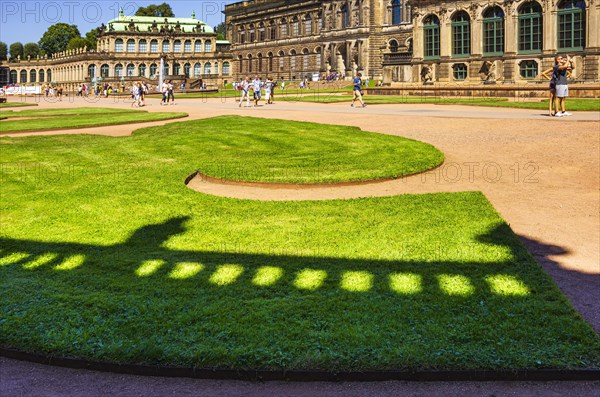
[(149, 267), (267, 275), (455, 284), (310, 279), (357, 281), (503, 284), (226, 274), (406, 283), (186, 270)]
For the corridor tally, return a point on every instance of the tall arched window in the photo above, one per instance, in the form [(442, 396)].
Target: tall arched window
[(207, 68), (177, 46), (530, 27), (295, 27), (119, 45), (571, 25), (49, 75), (308, 24), (187, 46), (198, 46), (23, 76), (153, 70), (130, 70), (142, 70), (32, 75), (143, 46), (242, 35), (281, 60), (154, 46), (186, 70), (305, 59), (318, 58), (166, 46), (249, 63), (92, 71), (131, 45), (226, 68), (393, 46), (166, 69), (396, 12), (260, 62), (197, 70), (270, 62), (104, 71), (208, 46), (118, 70), (261, 32), (272, 30), (176, 69), (41, 75), (345, 16), (252, 33), (216, 69), (431, 26), (293, 59), (493, 31), (461, 34), (283, 28)]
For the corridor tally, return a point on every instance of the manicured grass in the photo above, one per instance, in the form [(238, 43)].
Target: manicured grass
[(15, 104), (56, 119), (286, 151), (105, 254), (574, 104)]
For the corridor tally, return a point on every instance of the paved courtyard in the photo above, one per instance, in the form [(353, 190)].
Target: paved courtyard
[(542, 174)]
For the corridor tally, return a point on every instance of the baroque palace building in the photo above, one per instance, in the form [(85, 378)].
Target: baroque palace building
[(130, 48), (508, 41)]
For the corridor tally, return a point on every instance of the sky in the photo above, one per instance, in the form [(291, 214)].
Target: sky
[(26, 21)]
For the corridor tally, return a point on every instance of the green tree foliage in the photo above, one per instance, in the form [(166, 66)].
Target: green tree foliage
[(77, 42), (31, 49), (221, 31), (16, 50), (92, 38), (153, 10), (57, 37), (3, 51)]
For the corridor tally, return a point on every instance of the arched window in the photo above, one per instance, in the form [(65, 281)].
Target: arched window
[(281, 60), (143, 46), (49, 75), (41, 75), (295, 27), (261, 32), (186, 70), (131, 45), (272, 30), (528, 69), (104, 71), (32, 76), (198, 46), (305, 59), (393, 46), (226, 68), (318, 57), (216, 71), (119, 45), (283, 28), (118, 70), (242, 35), (154, 46), (208, 46), (461, 34), (92, 71), (207, 68), (13, 77), (293, 59), (260, 62), (142, 70), (166, 46), (530, 28), (177, 46), (166, 69), (345, 16), (176, 69), (249, 63), (308, 24), (493, 31), (459, 71), (187, 46), (197, 70), (431, 26), (396, 12), (571, 25), (153, 70), (270, 62), (130, 70), (252, 34)]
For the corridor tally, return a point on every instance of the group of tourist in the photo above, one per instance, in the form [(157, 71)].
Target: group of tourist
[(168, 97), (257, 86), (138, 93), (52, 91), (559, 89)]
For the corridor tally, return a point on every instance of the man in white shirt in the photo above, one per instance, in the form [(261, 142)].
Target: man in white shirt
[(257, 85)]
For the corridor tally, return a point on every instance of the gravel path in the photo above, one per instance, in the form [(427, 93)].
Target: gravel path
[(542, 174)]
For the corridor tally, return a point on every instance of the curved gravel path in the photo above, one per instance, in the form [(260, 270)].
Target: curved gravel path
[(542, 174)]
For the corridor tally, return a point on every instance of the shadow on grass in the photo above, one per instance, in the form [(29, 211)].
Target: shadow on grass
[(141, 302)]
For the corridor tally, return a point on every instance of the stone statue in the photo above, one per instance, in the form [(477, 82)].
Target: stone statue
[(488, 71), (328, 68), (426, 74), (354, 68), (341, 66)]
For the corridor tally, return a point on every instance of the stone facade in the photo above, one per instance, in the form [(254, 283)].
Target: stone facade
[(296, 39), (130, 49)]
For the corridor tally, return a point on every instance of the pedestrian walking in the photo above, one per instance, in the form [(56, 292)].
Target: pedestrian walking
[(244, 88), (357, 94)]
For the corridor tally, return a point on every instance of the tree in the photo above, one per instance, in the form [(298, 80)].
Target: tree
[(3, 51), (153, 10), (77, 42), (221, 31), (92, 38), (57, 37), (16, 50), (31, 49)]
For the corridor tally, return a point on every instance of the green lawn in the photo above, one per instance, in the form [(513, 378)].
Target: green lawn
[(573, 104), (105, 254), (15, 104), (56, 119)]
